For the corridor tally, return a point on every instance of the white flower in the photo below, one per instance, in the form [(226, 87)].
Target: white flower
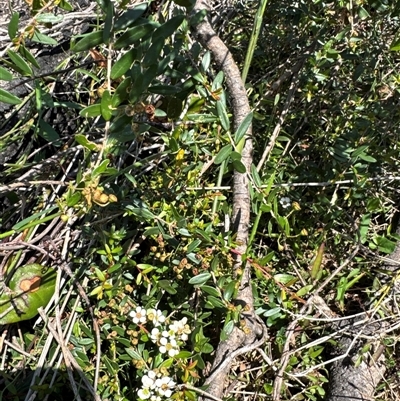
[(148, 379), (156, 317), (139, 315), (165, 386), (155, 398), (144, 393), (285, 202), (155, 335), (170, 347), (181, 329)]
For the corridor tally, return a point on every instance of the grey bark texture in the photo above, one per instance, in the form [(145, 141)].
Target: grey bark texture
[(252, 330)]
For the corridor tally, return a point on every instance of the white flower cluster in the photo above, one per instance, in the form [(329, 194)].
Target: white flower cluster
[(168, 340), (168, 336), (155, 386), (141, 316)]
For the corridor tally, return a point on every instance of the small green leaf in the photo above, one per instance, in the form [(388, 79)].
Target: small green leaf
[(89, 41), (100, 275), (93, 110), (5, 75), (229, 291), (210, 290), (170, 27), (20, 63), (154, 51), (239, 166), (141, 212), (227, 330), (243, 127), (223, 115), (101, 168), (49, 18), (395, 46), (132, 35), (166, 285), (223, 154), (108, 23), (121, 93), (315, 270), (13, 25), (256, 177), (82, 140), (305, 290), (28, 55), (129, 17), (106, 106), (9, 98), (23, 224), (200, 279), (65, 5), (47, 132), (44, 39), (123, 64)]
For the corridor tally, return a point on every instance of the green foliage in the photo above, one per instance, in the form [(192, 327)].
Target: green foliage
[(141, 186)]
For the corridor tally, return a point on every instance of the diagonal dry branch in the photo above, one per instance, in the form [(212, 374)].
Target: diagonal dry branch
[(253, 332)]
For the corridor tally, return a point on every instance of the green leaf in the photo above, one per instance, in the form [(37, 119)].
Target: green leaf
[(108, 23), (193, 245), (121, 93), (23, 223), (89, 41), (384, 244), (32, 287), (395, 46), (170, 27), (141, 212), (129, 17), (82, 140), (229, 291), (132, 35), (28, 55), (210, 290), (315, 270), (223, 115), (123, 64), (13, 25), (44, 39), (49, 18), (93, 110), (227, 330), (239, 166), (256, 177), (243, 127), (200, 279), (65, 5), (305, 290), (101, 168), (166, 285), (47, 132), (5, 75), (20, 63), (154, 51), (9, 98), (223, 154), (106, 106)]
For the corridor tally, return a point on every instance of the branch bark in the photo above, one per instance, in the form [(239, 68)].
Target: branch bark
[(252, 332)]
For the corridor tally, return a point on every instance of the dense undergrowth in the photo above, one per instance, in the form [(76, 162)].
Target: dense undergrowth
[(132, 204)]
